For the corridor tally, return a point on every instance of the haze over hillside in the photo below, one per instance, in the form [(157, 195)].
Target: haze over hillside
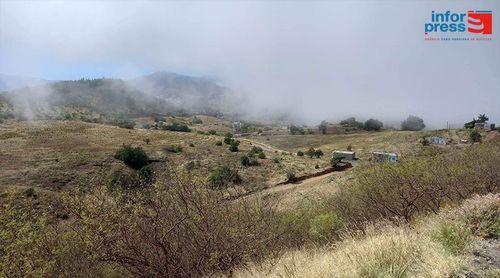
[(160, 92), (316, 68)]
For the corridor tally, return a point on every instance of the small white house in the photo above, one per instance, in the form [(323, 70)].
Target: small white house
[(437, 140), (347, 155), (484, 126), (384, 156)]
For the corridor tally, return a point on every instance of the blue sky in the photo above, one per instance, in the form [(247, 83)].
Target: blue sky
[(324, 60)]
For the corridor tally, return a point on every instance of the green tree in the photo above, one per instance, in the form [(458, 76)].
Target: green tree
[(323, 126), (475, 136), (373, 125), (135, 158), (413, 123)]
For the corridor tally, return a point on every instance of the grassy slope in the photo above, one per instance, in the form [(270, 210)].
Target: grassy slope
[(437, 246), (55, 154), (363, 143)]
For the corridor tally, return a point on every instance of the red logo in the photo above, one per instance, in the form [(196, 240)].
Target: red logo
[(480, 22)]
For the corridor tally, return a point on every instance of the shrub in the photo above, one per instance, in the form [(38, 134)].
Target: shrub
[(290, 176), (179, 127), (373, 125), (135, 158), (276, 160), (30, 193), (325, 226), (420, 184), (312, 153), (300, 153), (222, 176), (228, 138), (234, 146), (178, 229), (262, 155), (424, 141), (456, 237), (124, 123), (218, 143), (255, 150), (295, 130), (191, 144), (322, 127), (351, 122), (316, 166), (196, 121), (413, 123), (212, 132), (475, 136), (146, 174), (248, 161)]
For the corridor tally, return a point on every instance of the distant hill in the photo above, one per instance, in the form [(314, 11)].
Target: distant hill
[(196, 94), (164, 93), (11, 82)]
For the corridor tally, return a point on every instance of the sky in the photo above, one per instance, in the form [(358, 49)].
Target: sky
[(321, 60)]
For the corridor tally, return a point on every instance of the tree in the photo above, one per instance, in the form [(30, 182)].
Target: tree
[(475, 136), (373, 125), (233, 147), (294, 130), (323, 127), (351, 122), (413, 123), (482, 118)]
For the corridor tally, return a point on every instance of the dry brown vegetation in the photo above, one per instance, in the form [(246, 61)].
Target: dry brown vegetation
[(62, 154), (69, 208)]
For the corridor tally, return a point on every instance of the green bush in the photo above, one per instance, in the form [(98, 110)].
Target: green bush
[(234, 146), (475, 136), (196, 121), (454, 236), (312, 153), (290, 176), (295, 130), (179, 127), (373, 125), (146, 174), (262, 155), (326, 226), (351, 122), (212, 132), (248, 161), (413, 123), (222, 176), (218, 143), (30, 193), (300, 153), (124, 123), (135, 158), (228, 138)]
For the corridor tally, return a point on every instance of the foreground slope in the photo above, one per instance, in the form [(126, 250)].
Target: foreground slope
[(448, 244)]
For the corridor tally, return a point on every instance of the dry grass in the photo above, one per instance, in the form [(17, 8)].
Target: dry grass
[(387, 250), (57, 154)]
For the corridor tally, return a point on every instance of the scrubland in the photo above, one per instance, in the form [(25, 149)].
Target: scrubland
[(70, 208)]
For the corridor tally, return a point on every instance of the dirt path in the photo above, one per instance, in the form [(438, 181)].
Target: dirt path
[(298, 185), (265, 147)]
